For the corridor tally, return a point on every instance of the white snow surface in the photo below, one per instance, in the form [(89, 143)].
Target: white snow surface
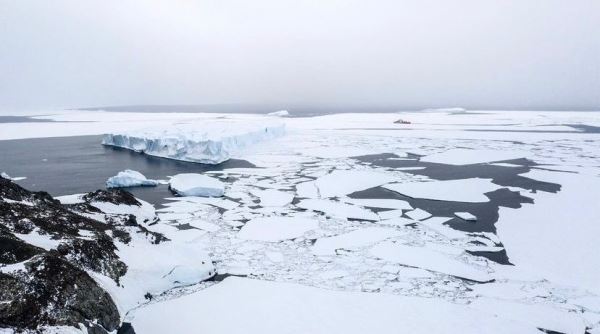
[(421, 257), (210, 142), (70, 199), (464, 190), (563, 227), (276, 228), (192, 184), (129, 178), (284, 308)]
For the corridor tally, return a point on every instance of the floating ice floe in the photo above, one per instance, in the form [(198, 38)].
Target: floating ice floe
[(190, 184), (437, 224), (272, 197), (460, 156), (464, 190), (382, 203), (294, 308), (398, 221), (190, 203), (343, 182), (352, 240), (466, 216), (130, 178), (276, 228), (418, 214), (337, 209), (428, 259), (211, 142), (505, 164)]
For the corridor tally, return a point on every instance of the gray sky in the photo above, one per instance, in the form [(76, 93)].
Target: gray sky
[(536, 54)]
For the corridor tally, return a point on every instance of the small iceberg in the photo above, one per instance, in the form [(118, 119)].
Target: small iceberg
[(466, 216), (130, 178), (279, 113), (191, 184)]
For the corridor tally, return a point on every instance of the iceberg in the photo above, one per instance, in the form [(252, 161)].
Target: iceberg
[(211, 142), (191, 184), (130, 178), (279, 113)]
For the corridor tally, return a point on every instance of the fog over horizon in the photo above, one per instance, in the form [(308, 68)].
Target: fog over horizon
[(496, 54)]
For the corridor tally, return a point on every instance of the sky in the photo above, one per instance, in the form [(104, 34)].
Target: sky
[(490, 54)]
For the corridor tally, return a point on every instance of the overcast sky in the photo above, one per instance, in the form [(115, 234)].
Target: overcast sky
[(530, 54)]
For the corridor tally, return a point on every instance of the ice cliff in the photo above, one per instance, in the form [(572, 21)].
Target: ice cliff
[(208, 142)]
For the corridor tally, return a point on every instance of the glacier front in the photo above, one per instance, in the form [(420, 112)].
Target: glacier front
[(209, 142)]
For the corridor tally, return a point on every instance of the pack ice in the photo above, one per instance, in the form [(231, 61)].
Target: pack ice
[(209, 142)]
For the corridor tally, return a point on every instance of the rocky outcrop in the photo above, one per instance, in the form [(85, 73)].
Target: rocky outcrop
[(47, 250), (53, 291)]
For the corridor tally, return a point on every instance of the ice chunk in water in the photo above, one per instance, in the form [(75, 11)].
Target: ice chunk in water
[(190, 184), (466, 216), (129, 178)]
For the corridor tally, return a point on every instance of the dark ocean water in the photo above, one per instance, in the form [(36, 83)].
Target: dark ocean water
[(68, 165)]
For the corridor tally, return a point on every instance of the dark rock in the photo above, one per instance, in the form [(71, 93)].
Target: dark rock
[(96, 255), (54, 292), (114, 196), (13, 249)]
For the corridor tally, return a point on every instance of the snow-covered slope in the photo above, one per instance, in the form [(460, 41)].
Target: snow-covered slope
[(269, 307), (210, 142)]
